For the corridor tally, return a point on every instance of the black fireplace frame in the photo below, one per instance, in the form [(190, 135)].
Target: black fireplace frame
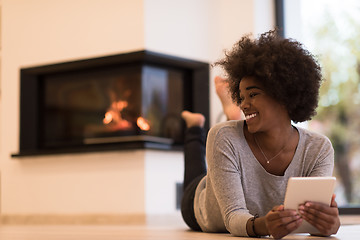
[(197, 84)]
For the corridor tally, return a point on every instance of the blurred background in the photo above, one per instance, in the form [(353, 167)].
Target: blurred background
[(330, 30)]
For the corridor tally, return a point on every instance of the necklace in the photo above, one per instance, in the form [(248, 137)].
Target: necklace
[(268, 160)]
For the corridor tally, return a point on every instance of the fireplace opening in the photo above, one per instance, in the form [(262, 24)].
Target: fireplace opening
[(123, 101)]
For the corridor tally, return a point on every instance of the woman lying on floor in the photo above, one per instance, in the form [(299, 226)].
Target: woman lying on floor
[(240, 190)]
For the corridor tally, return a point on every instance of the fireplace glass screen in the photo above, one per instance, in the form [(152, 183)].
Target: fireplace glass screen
[(125, 101), (125, 104)]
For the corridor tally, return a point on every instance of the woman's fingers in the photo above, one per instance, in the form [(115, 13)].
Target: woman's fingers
[(324, 218), (333, 202), (318, 211), (282, 222)]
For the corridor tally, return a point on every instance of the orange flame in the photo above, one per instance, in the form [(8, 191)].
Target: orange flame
[(113, 115), (143, 124), (120, 105), (108, 118)]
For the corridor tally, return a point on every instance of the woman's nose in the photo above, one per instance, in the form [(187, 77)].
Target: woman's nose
[(244, 104)]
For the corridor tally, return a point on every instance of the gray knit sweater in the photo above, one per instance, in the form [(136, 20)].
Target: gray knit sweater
[(237, 186)]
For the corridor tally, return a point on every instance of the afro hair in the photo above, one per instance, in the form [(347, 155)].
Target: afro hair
[(289, 73)]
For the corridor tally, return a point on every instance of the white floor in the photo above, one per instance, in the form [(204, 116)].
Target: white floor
[(154, 230)]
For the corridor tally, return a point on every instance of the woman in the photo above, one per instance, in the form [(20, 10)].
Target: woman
[(274, 81)]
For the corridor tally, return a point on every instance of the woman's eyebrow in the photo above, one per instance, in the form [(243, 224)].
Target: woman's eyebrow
[(252, 87)]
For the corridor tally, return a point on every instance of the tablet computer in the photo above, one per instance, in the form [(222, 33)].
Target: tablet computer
[(302, 189)]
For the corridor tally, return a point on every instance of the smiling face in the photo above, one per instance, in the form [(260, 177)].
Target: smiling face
[(262, 112)]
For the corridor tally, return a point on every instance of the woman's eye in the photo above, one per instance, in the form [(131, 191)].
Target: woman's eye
[(253, 94)]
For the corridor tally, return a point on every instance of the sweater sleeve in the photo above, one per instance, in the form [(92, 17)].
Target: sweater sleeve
[(225, 176), (323, 155)]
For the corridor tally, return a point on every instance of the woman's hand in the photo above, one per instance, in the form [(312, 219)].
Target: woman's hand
[(324, 218), (280, 222)]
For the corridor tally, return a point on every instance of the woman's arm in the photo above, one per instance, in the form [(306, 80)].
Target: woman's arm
[(324, 218), (224, 179)]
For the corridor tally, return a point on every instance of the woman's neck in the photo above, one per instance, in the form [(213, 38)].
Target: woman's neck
[(273, 139)]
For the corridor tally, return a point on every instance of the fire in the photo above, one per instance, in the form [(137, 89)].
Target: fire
[(120, 105), (108, 118), (143, 124), (113, 115)]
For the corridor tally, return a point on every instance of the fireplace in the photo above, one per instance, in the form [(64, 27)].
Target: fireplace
[(124, 101)]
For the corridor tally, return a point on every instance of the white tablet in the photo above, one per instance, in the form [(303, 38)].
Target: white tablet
[(302, 189)]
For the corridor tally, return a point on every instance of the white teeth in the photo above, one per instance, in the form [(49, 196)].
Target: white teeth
[(247, 117)]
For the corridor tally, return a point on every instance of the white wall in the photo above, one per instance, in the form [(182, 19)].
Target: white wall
[(264, 16), (162, 172), (98, 183), (40, 32), (36, 32)]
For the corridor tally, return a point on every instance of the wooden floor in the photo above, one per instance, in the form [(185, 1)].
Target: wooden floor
[(171, 230)]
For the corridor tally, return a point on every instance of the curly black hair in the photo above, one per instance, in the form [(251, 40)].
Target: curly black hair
[(288, 72)]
